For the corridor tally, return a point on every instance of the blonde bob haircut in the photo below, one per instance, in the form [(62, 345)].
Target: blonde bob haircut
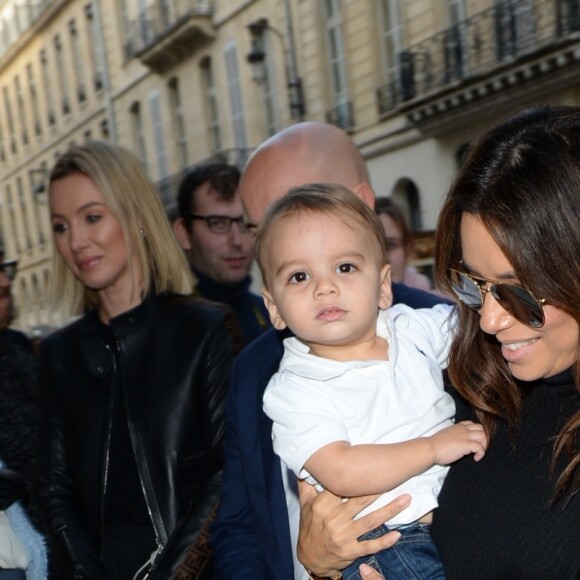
[(134, 201), (330, 199)]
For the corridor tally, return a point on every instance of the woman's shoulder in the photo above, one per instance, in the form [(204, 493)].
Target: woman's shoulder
[(190, 304), (64, 334), (203, 314)]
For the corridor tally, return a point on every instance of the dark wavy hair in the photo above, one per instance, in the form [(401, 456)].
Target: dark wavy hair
[(223, 179), (522, 180)]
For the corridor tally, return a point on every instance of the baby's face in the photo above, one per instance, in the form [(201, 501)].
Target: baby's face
[(326, 282)]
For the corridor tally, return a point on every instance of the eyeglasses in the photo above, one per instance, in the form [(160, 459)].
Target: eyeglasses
[(9, 268), (222, 224), (518, 301)]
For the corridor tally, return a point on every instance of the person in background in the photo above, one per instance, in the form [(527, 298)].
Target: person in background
[(8, 270), (23, 541), (136, 385), (257, 520), (400, 245), (508, 247), (210, 228)]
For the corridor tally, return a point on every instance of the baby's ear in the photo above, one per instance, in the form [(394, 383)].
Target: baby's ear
[(275, 317), (386, 289)]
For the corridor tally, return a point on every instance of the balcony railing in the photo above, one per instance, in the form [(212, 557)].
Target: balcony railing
[(485, 42), (167, 29), (24, 16), (341, 116)]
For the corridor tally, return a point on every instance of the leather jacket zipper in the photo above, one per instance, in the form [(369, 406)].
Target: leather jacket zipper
[(141, 463), (108, 440)]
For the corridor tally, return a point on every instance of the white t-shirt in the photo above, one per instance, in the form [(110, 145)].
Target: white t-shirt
[(315, 401)]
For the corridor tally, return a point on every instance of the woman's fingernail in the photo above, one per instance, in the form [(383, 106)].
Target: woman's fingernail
[(405, 499)]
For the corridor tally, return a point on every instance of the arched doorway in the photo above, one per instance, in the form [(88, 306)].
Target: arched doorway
[(406, 196)]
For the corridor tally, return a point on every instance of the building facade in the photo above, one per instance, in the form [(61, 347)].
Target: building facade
[(183, 81)]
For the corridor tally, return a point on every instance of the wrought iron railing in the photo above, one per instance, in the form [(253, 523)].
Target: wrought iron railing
[(510, 30), (341, 116), (160, 17), (24, 16)]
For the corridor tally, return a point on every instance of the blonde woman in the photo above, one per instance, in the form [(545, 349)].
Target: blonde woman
[(136, 384)]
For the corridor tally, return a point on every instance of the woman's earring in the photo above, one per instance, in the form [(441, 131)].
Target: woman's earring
[(142, 231)]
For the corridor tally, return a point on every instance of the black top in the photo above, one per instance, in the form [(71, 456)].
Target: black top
[(172, 362), (495, 520)]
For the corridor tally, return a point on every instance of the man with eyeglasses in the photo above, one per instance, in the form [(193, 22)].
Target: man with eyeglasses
[(211, 229)]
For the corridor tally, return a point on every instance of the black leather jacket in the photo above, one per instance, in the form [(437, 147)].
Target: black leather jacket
[(173, 363)]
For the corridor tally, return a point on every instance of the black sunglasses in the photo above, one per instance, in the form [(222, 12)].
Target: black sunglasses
[(222, 224), (9, 267), (518, 301)]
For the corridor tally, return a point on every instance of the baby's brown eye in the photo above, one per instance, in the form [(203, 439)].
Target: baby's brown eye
[(346, 268), (298, 277)]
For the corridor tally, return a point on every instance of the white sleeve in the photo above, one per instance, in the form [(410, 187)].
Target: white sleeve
[(438, 326), (305, 418)]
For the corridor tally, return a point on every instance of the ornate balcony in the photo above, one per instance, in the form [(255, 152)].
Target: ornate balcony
[(168, 31), (511, 43)]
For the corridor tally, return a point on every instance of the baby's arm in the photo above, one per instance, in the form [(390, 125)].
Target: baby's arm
[(353, 470)]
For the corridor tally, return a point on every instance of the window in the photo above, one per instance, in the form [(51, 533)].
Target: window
[(457, 11), (4, 36), (453, 41), (33, 92), (158, 134), (178, 121), (235, 93), (269, 86), (79, 70), (138, 134), (47, 88), (2, 145), (24, 213), (62, 75), (21, 110), (392, 46), (337, 63), (105, 133), (10, 118), (38, 187), (126, 29), (211, 105), (95, 38), (12, 223)]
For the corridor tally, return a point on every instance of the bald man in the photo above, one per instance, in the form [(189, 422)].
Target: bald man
[(257, 521)]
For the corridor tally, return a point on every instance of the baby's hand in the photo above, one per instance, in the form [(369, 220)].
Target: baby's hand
[(452, 443)]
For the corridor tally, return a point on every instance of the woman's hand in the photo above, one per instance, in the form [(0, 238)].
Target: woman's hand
[(328, 537)]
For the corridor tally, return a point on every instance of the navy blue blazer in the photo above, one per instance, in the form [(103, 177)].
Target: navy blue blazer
[(250, 535)]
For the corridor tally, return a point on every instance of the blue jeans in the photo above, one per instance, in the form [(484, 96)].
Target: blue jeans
[(12, 574), (413, 556)]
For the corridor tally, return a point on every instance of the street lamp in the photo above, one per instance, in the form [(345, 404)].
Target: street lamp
[(257, 56)]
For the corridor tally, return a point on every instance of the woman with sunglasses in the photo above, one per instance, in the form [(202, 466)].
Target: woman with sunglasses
[(136, 384), (508, 247)]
